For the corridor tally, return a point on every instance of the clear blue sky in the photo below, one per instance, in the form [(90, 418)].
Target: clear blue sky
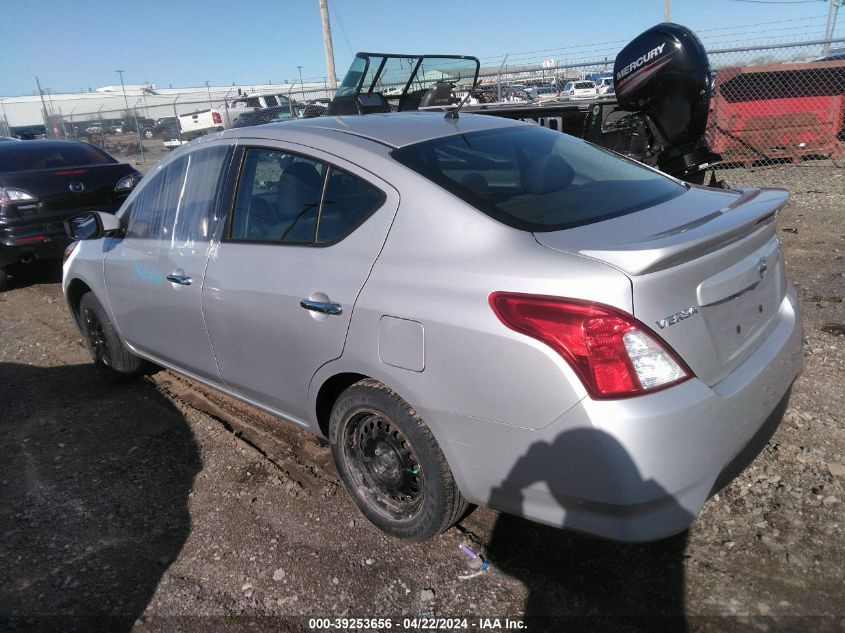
[(73, 45)]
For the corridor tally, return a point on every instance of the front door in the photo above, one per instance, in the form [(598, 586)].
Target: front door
[(154, 275), (280, 288)]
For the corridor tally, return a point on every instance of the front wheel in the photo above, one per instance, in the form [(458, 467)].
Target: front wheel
[(4, 280), (113, 360), (391, 465)]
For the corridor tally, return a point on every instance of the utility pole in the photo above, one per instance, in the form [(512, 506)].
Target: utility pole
[(666, 11), (125, 100), (831, 24), (327, 43), (301, 85)]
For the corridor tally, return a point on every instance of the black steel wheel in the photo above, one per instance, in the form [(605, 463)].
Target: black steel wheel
[(384, 464), (110, 356), (391, 465)]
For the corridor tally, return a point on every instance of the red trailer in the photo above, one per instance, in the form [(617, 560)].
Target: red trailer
[(778, 111)]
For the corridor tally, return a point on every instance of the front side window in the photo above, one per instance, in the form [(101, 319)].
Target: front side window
[(536, 179), (195, 213), (145, 219), (178, 203)]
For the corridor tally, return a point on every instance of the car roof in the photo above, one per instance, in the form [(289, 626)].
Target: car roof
[(44, 144), (396, 129)]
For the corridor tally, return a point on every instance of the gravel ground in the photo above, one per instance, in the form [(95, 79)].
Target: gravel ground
[(165, 506)]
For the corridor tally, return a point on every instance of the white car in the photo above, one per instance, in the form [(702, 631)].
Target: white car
[(604, 84), (579, 89)]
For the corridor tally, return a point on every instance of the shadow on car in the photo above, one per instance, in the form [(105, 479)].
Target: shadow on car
[(577, 582), (93, 497)]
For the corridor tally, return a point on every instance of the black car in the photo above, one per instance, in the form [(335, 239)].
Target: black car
[(144, 125), (264, 115), (44, 182), (28, 132)]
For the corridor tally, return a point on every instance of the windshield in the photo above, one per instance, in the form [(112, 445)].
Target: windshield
[(47, 155), (536, 179), (398, 76)]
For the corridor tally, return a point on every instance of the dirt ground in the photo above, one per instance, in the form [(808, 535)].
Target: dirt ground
[(165, 506)]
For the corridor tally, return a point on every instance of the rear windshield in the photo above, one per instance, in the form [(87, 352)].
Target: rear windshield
[(585, 84), (29, 155), (536, 179)]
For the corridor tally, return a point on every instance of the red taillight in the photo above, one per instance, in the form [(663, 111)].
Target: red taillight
[(592, 339), (30, 239), (215, 116), (69, 251), (71, 172)]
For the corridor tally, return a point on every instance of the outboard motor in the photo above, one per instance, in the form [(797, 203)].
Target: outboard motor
[(663, 79)]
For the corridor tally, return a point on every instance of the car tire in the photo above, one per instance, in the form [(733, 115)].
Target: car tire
[(113, 360), (4, 280), (391, 465), (148, 133)]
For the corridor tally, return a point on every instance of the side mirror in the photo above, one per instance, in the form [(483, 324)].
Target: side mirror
[(92, 225)]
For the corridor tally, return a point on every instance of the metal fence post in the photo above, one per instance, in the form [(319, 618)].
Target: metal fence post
[(176, 114), (138, 132), (226, 108), (102, 133)]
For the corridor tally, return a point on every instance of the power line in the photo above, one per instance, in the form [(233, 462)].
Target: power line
[(333, 9), (716, 38)]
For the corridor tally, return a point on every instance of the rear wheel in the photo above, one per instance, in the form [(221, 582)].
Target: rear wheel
[(391, 465), (110, 355), (4, 280)]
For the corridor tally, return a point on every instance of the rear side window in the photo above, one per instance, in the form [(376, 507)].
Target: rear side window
[(347, 203), (536, 179)]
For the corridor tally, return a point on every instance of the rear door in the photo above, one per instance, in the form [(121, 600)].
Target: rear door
[(303, 235), (154, 275)]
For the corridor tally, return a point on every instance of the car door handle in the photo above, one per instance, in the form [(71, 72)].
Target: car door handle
[(182, 280), (322, 307)]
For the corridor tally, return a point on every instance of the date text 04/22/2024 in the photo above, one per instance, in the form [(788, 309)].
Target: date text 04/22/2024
[(415, 624)]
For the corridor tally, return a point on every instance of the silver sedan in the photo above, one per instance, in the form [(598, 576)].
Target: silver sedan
[(471, 310)]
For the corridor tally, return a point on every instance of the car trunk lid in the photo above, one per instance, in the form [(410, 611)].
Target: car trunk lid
[(63, 191), (706, 270)]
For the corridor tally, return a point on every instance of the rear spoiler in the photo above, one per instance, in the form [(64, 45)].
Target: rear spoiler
[(753, 209)]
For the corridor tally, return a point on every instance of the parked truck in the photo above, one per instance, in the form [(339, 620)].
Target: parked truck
[(187, 127)]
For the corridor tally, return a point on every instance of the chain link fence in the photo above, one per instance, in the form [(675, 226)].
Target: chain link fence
[(769, 104)]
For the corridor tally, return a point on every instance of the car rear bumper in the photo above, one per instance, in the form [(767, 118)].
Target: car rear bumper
[(636, 469), (28, 247), (34, 240)]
